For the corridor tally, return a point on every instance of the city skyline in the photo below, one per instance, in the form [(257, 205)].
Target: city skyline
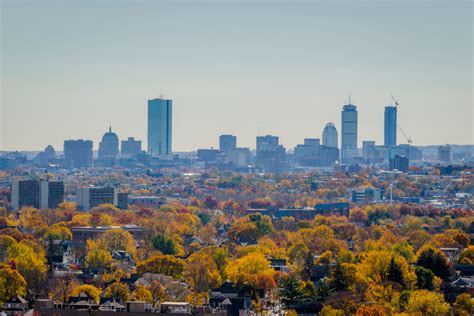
[(72, 83)]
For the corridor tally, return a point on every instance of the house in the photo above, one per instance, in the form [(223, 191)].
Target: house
[(176, 307), (15, 305), (227, 297)]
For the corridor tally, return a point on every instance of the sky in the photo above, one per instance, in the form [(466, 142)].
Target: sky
[(247, 68)]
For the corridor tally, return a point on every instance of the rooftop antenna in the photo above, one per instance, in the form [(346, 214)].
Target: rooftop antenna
[(349, 98), (110, 127)]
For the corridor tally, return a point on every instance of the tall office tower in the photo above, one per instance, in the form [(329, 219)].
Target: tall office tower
[(270, 154), (444, 153), (131, 146), (89, 197), (227, 143), (349, 132), (78, 153), (51, 194), (159, 126), (109, 146), (307, 154), (330, 135), (390, 126), (25, 193), (38, 194)]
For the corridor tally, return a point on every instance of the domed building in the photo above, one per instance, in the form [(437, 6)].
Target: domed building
[(109, 146)]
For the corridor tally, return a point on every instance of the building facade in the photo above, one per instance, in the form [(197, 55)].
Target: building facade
[(78, 153), (51, 194), (160, 126), (349, 132), (390, 126)]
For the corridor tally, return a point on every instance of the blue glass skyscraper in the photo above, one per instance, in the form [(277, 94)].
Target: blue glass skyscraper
[(159, 126), (390, 126)]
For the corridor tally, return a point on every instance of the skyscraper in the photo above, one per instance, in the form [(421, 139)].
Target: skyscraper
[(227, 143), (390, 126), (78, 153), (109, 146), (349, 132), (330, 135), (159, 126)]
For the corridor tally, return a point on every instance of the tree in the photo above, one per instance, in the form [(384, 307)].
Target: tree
[(464, 304), (142, 293), (307, 272), (164, 244), (97, 256), (118, 291), (158, 293), (467, 256), (5, 242), (11, 284), (435, 260), (201, 271), (165, 264), (427, 302), (337, 279), (118, 239), (30, 263), (246, 269), (91, 291), (290, 290), (371, 311), (425, 279), (62, 288)]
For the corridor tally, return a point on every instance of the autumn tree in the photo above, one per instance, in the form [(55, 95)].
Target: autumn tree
[(202, 272), (142, 293), (118, 239), (97, 255), (247, 268), (62, 288), (165, 264), (91, 291), (427, 303), (12, 284), (118, 291)]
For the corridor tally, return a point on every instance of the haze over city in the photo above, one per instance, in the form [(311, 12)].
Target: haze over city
[(239, 68)]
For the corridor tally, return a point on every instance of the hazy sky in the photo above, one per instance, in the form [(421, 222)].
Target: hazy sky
[(241, 67)]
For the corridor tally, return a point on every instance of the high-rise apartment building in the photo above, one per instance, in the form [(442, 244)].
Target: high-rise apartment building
[(51, 194), (159, 126), (330, 135), (227, 143), (390, 126), (349, 132), (37, 193), (131, 146), (78, 153), (89, 197)]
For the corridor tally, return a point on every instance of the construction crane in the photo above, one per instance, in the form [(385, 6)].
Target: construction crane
[(408, 139)]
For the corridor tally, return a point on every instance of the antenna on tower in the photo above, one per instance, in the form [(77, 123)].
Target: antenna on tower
[(349, 98), (110, 127)]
